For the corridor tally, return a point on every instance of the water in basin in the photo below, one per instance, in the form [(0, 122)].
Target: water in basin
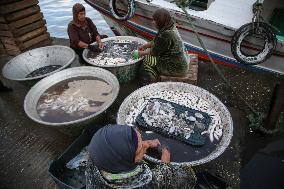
[(73, 99)]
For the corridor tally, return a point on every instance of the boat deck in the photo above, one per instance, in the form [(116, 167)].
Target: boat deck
[(230, 14)]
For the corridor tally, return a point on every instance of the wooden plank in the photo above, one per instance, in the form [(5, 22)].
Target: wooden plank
[(12, 7), (8, 40), (26, 21), (2, 2), (4, 27), (2, 52), (30, 27), (34, 41), (13, 52), (22, 14), (10, 47), (6, 33), (32, 34), (2, 19)]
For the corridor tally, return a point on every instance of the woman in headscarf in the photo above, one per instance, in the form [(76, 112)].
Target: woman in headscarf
[(116, 161), (167, 52), (82, 32)]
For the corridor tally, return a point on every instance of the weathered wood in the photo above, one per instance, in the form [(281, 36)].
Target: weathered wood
[(22, 14), (12, 7), (2, 52), (10, 47), (4, 27), (6, 33), (8, 40), (26, 21), (2, 2), (2, 19), (32, 34), (35, 41), (30, 27)]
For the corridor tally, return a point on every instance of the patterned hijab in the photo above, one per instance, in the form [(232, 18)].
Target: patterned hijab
[(163, 19), (76, 9), (113, 148)]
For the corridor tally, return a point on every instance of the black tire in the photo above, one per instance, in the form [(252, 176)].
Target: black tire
[(267, 50), (130, 10)]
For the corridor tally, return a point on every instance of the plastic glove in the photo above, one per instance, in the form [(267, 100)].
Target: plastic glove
[(135, 55), (94, 48)]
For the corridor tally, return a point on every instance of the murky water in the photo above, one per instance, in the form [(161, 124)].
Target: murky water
[(115, 52), (180, 152), (43, 70), (58, 13), (73, 99)]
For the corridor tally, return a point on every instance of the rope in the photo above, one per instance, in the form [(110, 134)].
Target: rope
[(256, 118)]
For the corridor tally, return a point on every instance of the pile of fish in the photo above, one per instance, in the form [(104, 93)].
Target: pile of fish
[(215, 129), (43, 70), (115, 52), (163, 116), (67, 104)]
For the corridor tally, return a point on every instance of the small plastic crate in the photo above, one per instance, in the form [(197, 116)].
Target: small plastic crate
[(67, 178)]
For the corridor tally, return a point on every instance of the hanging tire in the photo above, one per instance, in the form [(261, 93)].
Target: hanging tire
[(263, 29), (130, 10)]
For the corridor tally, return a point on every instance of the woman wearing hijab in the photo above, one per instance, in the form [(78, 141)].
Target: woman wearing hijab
[(167, 51), (82, 32), (116, 161)]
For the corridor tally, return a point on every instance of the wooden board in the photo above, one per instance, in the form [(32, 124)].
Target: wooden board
[(32, 34), (12, 7), (4, 27), (2, 2), (26, 21), (35, 41), (2, 19), (8, 40), (30, 27), (22, 14), (6, 33)]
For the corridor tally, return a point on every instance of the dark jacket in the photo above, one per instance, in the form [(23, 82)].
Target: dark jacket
[(170, 52), (78, 33)]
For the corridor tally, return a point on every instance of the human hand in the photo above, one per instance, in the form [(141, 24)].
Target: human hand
[(94, 48), (151, 143), (101, 45), (141, 48), (166, 155)]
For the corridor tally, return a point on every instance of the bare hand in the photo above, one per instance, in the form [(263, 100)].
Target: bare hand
[(141, 48), (166, 156), (152, 143), (101, 45)]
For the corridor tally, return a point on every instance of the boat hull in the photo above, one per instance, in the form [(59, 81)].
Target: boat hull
[(216, 37)]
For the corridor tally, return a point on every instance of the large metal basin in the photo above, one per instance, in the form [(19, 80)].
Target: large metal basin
[(33, 96), (20, 66), (124, 72), (181, 93)]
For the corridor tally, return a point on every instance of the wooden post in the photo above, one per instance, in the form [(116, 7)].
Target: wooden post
[(21, 26)]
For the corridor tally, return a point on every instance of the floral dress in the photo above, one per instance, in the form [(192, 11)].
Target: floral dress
[(161, 176)]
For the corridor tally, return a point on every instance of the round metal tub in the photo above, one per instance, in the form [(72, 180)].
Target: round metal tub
[(124, 72), (33, 96), (186, 95), (20, 66)]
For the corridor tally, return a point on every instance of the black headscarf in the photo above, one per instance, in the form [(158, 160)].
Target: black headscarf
[(113, 148), (163, 19)]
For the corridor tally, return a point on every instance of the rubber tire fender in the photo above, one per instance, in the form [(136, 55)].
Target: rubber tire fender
[(130, 10), (267, 50)]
